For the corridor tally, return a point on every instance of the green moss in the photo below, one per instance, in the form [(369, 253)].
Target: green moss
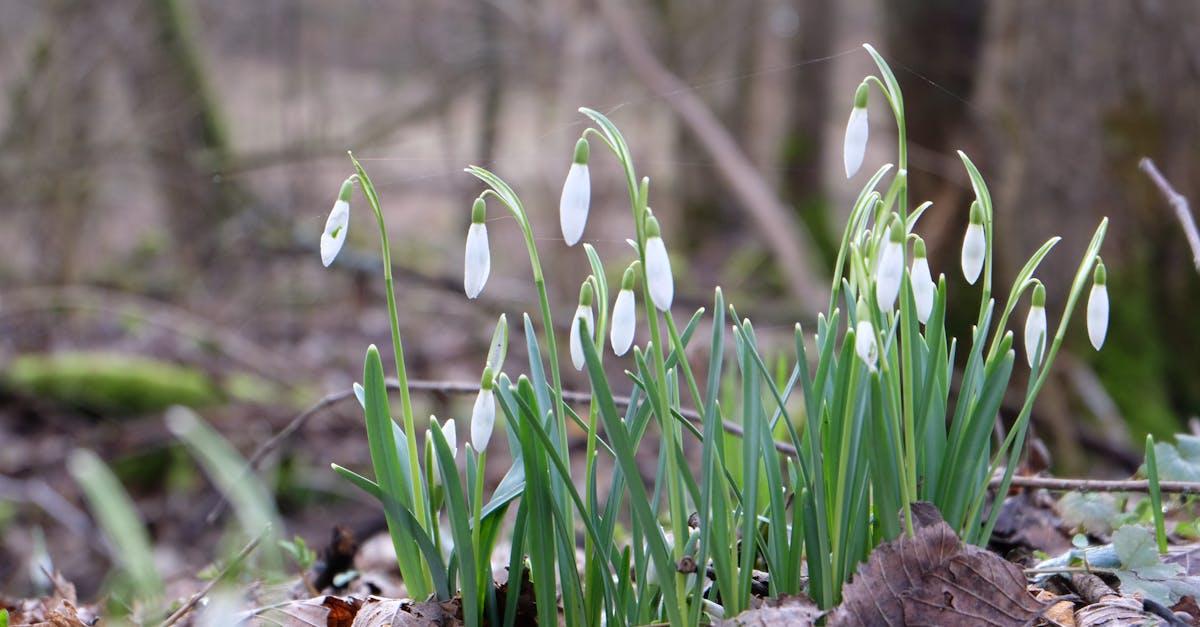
[(110, 383)]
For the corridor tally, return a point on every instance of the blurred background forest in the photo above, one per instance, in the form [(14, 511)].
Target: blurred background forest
[(167, 167)]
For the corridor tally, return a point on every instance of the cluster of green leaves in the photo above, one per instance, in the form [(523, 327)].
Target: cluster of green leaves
[(870, 436)]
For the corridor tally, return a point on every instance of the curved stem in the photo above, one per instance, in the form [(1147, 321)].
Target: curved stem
[(410, 431)]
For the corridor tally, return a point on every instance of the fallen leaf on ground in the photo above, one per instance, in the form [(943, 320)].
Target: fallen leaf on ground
[(377, 612), (934, 579), (1113, 610), (322, 611)]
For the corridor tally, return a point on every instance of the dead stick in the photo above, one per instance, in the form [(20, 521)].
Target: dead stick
[(1179, 203), (1100, 485)]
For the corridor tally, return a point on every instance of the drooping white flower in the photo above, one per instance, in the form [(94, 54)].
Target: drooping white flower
[(624, 316), (658, 267), (576, 196), (1035, 327), (336, 225), (583, 314), (890, 268), (857, 130), (478, 258), (974, 245), (1097, 309), (483, 414), (864, 337), (864, 343), (451, 435), (922, 282), (624, 321)]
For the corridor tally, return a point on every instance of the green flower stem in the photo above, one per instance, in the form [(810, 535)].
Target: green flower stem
[(670, 429), (410, 432), (1016, 435)]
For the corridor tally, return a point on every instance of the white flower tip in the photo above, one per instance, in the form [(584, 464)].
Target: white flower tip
[(658, 274), (1035, 335), (334, 235), (582, 314), (483, 420), (478, 260), (574, 202), (973, 251), (624, 319), (855, 146), (864, 343), (888, 275), (1097, 315)]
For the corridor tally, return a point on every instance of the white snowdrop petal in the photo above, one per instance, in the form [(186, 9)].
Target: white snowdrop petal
[(334, 235), (478, 260), (923, 288), (451, 434), (973, 251), (1097, 315), (483, 419), (577, 357), (624, 319), (855, 147), (573, 205), (1035, 332), (887, 276), (864, 343), (658, 274)]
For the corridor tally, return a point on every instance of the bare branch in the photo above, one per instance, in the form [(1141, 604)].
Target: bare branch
[(1178, 202), (776, 222)]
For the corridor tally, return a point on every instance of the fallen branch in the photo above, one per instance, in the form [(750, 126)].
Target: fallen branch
[(1100, 485), (1179, 203)]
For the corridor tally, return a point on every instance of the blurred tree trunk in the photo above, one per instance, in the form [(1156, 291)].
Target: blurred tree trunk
[(1071, 95), (50, 126), (183, 134)]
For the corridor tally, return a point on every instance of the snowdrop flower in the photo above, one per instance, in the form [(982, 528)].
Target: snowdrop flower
[(922, 282), (576, 196), (582, 315), (483, 415), (337, 224), (974, 245), (478, 262), (864, 338), (891, 268), (1097, 309), (857, 129), (451, 435), (1035, 326), (658, 267), (624, 315)]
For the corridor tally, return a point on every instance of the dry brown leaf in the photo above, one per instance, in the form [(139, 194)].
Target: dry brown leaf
[(377, 612), (59, 610), (934, 579), (322, 611), (789, 610)]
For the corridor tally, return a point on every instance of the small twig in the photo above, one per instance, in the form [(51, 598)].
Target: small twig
[(1068, 569), (1100, 485), (1179, 203), (195, 598)]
